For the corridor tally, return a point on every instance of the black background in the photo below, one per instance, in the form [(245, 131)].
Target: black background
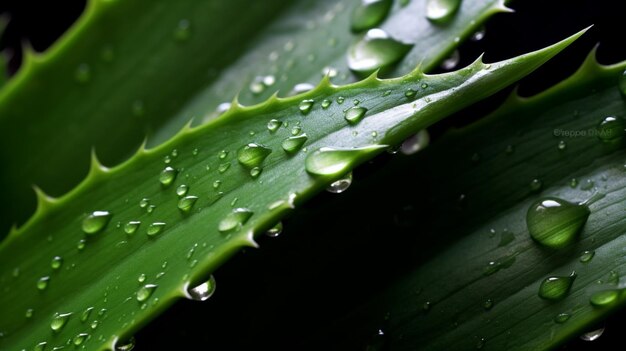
[(264, 299)]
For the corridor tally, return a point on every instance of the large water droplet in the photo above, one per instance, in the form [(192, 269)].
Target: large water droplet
[(96, 221), (155, 228), (556, 287), (167, 176), (355, 114), (592, 335), (293, 144), (235, 219), (329, 161), (275, 230), (441, 11), (375, 50), (59, 321), (186, 203), (145, 292), (306, 106), (605, 298), (252, 155), (611, 129), (182, 190), (554, 222), (273, 125), (415, 143), (203, 291), (369, 13), (340, 185), (126, 345), (131, 227)]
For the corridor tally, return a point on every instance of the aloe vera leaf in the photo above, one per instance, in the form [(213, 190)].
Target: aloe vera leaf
[(128, 69), (451, 297), (225, 217)]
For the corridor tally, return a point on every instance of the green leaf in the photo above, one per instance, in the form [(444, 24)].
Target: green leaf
[(478, 284), (242, 183), (127, 69)]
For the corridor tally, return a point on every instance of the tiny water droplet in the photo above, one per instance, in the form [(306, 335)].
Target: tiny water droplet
[(306, 106), (605, 297), (41, 346), (255, 172), (80, 338), (301, 88), (174, 153), (488, 304), (294, 143), (611, 129), (326, 103), (59, 321), (186, 203), (355, 114), (296, 130), (573, 183), (592, 335), (481, 343), (252, 155), (562, 318), (369, 13), (235, 219), (94, 324), (556, 287), (150, 208), (452, 61), (341, 185), (410, 93), (167, 176), (203, 291), (478, 35), (29, 313), (415, 143), (441, 11), (126, 345), (613, 278), (273, 125), (535, 185), (331, 72), (195, 152), (335, 162), (96, 221), (56, 263), (586, 256), (183, 30), (42, 283), (275, 230), (554, 222), (86, 313), (426, 306), (222, 154), (144, 202), (216, 184), (182, 190), (375, 50), (82, 73), (501, 263), (131, 227), (562, 145), (155, 228), (223, 167), (145, 292), (141, 278)]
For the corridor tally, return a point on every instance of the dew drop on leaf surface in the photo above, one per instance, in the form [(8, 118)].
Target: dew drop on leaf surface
[(294, 143), (556, 287), (275, 231), (235, 219), (340, 185), (369, 13), (252, 155), (441, 11), (355, 114), (96, 221), (59, 321), (554, 222), (375, 50), (145, 292), (167, 176), (204, 291)]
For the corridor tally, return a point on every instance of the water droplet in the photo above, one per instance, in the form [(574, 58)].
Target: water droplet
[(144, 202), (424, 85), (275, 230), (174, 153), (355, 114), (573, 183), (296, 130), (592, 335), (556, 287), (195, 152), (535, 185), (145, 292), (273, 125), (301, 88), (95, 222), (562, 318), (605, 297), (340, 100), (56, 263), (488, 304), (82, 73), (41, 346), (341, 185), (554, 222), (186, 203), (252, 155), (586, 256), (42, 283), (216, 184), (415, 143), (294, 143), (613, 278), (257, 86), (501, 263), (131, 227), (86, 313), (126, 345), (562, 145), (80, 338), (203, 291), (29, 313), (410, 93), (235, 219), (452, 61), (481, 343), (255, 172), (182, 190), (426, 306), (223, 167), (441, 11), (94, 324), (141, 278), (611, 129), (59, 321), (335, 162), (150, 208), (375, 50), (331, 72), (369, 13), (183, 30), (167, 176), (222, 154), (306, 106), (326, 103), (478, 35), (155, 228)]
